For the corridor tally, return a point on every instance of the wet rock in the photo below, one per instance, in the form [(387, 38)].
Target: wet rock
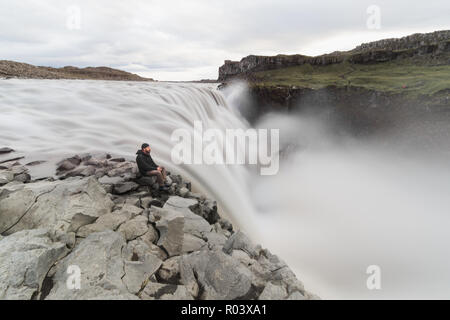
[(68, 164), (98, 163), (35, 163), (13, 159), (218, 274), (81, 171), (25, 259), (99, 258), (4, 150)]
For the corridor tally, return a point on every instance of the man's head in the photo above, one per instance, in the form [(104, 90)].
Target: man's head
[(145, 148)]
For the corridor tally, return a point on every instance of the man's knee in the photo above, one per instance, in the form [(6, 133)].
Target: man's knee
[(153, 173)]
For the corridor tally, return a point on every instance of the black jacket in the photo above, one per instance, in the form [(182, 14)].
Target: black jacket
[(145, 162)]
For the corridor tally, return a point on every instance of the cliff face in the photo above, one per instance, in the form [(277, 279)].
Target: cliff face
[(359, 110), (24, 70), (433, 44), (393, 85)]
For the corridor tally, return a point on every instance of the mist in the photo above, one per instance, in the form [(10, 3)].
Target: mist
[(340, 204)]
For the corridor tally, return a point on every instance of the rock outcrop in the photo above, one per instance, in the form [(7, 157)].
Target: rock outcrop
[(432, 44), (83, 235), (14, 69)]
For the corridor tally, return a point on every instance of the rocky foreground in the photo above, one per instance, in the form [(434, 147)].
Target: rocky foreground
[(129, 240)]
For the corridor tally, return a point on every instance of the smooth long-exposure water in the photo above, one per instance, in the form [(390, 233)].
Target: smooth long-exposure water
[(334, 208)]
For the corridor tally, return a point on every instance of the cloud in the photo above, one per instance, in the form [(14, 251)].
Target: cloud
[(182, 40)]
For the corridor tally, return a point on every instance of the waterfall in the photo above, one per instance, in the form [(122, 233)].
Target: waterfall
[(336, 206), (54, 118)]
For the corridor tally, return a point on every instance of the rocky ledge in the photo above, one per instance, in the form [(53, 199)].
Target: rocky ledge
[(99, 219)]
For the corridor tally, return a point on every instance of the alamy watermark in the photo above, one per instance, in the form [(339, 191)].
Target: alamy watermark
[(213, 146), (73, 21), (373, 281), (73, 281), (373, 21)]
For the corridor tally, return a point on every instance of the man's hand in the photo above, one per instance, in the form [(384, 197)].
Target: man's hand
[(159, 169)]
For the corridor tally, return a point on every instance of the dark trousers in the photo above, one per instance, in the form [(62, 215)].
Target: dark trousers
[(160, 176)]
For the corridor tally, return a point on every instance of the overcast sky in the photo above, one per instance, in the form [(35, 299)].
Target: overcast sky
[(188, 39)]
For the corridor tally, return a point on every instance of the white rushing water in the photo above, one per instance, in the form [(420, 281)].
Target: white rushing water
[(335, 207)]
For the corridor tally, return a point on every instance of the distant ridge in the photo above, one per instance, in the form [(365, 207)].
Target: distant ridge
[(12, 69), (434, 45)]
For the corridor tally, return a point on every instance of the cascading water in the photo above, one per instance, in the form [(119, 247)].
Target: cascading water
[(49, 119), (333, 209)]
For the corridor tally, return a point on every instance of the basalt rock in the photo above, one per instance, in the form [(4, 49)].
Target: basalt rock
[(139, 244), (60, 205), (25, 258)]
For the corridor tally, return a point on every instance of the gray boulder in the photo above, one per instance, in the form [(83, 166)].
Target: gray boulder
[(220, 276), (240, 241), (64, 205), (179, 203), (109, 221), (137, 273), (6, 176), (130, 211), (25, 259), (99, 258), (273, 292), (134, 228), (296, 296), (5, 150), (170, 270), (124, 187), (180, 230)]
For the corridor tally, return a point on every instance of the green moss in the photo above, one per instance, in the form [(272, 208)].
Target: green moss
[(408, 76)]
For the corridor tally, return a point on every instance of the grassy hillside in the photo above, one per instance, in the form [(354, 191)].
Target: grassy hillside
[(409, 76)]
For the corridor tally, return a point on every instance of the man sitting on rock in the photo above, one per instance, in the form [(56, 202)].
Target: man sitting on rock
[(147, 167)]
